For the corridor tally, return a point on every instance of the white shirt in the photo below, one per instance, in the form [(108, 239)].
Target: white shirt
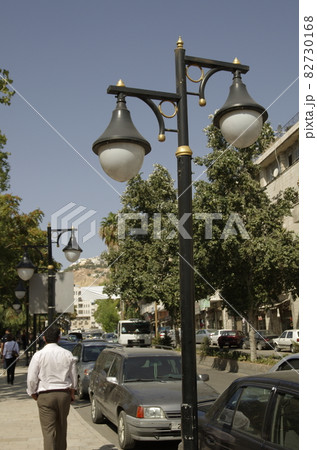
[(53, 367)]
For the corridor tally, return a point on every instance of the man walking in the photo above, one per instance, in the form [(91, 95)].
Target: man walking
[(52, 381)]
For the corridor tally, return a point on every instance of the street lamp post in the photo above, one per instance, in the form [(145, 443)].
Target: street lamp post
[(26, 268), (121, 150)]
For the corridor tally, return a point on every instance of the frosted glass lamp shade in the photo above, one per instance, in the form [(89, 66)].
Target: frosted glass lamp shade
[(121, 160), (25, 268), (241, 128), (72, 250)]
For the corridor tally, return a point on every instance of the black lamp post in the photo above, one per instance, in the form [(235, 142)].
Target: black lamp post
[(26, 268), (121, 150)]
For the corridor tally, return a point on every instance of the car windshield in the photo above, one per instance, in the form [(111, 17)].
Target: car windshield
[(135, 328), (152, 368), (91, 353)]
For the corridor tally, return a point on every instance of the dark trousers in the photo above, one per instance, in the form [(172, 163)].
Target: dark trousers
[(10, 366), (53, 411)]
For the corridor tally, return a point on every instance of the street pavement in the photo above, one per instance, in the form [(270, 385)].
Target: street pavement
[(20, 425)]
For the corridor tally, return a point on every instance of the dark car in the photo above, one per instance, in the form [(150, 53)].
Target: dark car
[(140, 391), (257, 412), (263, 340), (68, 345), (231, 339), (86, 353)]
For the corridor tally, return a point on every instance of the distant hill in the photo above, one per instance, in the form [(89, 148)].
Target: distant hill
[(89, 272)]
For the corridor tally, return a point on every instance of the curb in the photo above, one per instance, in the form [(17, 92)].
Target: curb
[(233, 366)]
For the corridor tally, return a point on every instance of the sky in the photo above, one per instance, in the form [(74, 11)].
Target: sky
[(62, 56)]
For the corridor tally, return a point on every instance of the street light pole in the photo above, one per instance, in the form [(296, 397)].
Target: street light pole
[(121, 150), (26, 268)]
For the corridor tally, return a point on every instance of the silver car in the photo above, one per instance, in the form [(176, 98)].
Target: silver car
[(86, 353), (202, 334), (140, 391)]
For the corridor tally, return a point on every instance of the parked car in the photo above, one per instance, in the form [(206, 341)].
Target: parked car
[(86, 353), (75, 336), (140, 391), (164, 331), (69, 345), (287, 340), (263, 340), (256, 412), (110, 337), (214, 337), (290, 362), (231, 338), (204, 333)]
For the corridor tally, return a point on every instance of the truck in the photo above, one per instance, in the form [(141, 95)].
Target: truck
[(134, 333)]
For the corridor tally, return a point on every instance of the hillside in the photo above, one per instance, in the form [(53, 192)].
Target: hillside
[(89, 272)]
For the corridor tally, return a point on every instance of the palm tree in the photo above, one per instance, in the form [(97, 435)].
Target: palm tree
[(108, 231)]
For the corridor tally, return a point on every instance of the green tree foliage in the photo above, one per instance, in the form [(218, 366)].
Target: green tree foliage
[(253, 259), (16, 229), (5, 99), (144, 264), (107, 314)]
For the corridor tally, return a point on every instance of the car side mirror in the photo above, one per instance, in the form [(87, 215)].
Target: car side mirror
[(203, 377), (113, 380)]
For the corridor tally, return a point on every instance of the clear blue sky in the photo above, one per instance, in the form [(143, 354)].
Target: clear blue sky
[(62, 55)]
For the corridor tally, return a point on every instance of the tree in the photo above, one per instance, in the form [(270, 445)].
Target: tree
[(16, 229), (107, 314), (251, 258), (144, 266), (108, 230), (5, 98)]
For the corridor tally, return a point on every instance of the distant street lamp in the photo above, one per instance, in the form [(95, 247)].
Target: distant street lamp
[(121, 150), (26, 268)]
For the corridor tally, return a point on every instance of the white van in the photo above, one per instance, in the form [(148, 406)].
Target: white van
[(134, 332)]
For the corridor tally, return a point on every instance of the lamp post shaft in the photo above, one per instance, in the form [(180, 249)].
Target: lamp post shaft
[(51, 278), (189, 385)]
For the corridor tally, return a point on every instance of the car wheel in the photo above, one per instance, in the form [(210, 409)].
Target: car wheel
[(277, 348), (291, 348), (96, 414), (259, 346), (125, 440), (80, 391)]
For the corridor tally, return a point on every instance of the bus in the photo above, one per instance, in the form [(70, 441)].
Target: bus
[(134, 333)]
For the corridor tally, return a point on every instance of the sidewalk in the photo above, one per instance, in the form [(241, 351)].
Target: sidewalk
[(20, 425)]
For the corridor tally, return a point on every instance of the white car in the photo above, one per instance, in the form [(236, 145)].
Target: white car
[(289, 362), (287, 340), (202, 334), (214, 337)]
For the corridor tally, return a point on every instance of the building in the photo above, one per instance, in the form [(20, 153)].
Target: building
[(279, 169), (85, 306)]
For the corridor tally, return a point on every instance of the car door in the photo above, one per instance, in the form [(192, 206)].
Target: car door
[(112, 388), (100, 379), (283, 426), (237, 425), (282, 340)]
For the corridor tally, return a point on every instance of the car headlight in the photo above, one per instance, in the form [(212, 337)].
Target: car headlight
[(150, 412)]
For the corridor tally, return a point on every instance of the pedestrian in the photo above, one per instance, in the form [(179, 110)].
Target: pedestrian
[(4, 339), (10, 353), (52, 381)]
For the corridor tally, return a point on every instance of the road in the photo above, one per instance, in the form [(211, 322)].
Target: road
[(219, 380)]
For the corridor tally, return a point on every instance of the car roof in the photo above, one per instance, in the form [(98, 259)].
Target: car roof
[(93, 342), (285, 377), (142, 351)]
